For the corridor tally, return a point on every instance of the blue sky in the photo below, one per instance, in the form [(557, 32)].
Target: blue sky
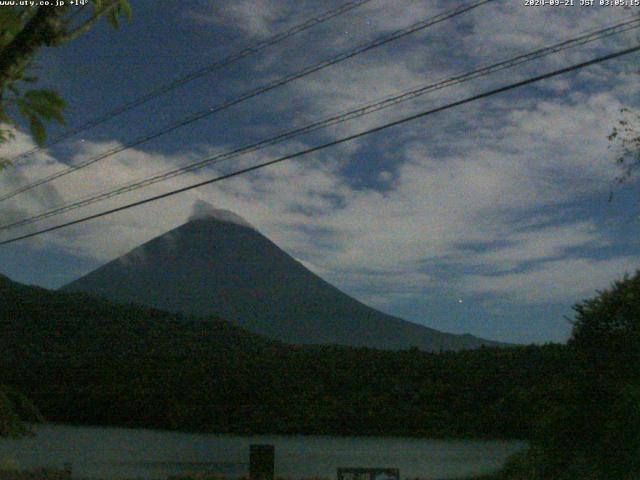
[(491, 218)]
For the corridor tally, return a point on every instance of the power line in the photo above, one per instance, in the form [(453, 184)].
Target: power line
[(253, 93), (367, 109), (333, 143), (178, 82)]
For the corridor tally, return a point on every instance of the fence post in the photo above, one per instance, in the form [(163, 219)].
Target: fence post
[(262, 462)]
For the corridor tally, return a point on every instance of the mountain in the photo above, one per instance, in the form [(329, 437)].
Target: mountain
[(218, 264), (85, 360)]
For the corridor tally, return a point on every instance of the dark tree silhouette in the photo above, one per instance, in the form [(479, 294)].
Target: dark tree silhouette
[(593, 431), (24, 30)]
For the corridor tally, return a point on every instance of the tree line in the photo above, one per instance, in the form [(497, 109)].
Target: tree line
[(83, 360)]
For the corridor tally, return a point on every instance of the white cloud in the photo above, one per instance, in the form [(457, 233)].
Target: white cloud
[(538, 243), (255, 18), (370, 242), (553, 281), (503, 173)]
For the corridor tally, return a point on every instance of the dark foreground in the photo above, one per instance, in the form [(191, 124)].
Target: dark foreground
[(86, 361)]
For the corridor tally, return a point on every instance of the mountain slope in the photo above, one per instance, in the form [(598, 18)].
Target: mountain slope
[(218, 264), (85, 360)]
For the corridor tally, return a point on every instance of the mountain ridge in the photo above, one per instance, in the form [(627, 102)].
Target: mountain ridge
[(88, 361), (221, 265)]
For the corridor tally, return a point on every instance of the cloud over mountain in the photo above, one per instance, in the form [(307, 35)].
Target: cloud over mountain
[(214, 265)]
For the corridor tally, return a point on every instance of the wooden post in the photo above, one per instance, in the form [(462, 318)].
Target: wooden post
[(262, 462)]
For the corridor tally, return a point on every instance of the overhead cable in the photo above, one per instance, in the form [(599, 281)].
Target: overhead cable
[(189, 77), (251, 94), (349, 138), (358, 112)]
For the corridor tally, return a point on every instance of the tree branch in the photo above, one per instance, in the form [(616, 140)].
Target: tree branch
[(84, 27), (42, 29)]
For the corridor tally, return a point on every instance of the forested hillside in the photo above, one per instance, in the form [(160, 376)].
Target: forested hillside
[(88, 361)]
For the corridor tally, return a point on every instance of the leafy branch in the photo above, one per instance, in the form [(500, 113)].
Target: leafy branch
[(23, 31), (626, 134)]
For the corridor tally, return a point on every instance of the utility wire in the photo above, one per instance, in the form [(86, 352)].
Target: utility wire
[(358, 112), (307, 151), (178, 82), (251, 94)]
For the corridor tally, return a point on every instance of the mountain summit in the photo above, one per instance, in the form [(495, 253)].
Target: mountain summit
[(218, 264), (205, 211)]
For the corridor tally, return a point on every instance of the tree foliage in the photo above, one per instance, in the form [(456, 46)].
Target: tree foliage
[(86, 360), (17, 413), (626, 137), (606, 341), (593, 432), (23, 31)]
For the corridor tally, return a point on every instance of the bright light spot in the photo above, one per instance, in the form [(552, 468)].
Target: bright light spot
[(459, 300)]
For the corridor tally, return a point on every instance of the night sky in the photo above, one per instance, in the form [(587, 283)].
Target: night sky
[(492, 218)]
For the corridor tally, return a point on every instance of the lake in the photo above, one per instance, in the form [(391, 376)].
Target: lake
[(125, 453)]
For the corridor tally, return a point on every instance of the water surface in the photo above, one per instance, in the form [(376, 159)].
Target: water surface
[(113, 453)]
